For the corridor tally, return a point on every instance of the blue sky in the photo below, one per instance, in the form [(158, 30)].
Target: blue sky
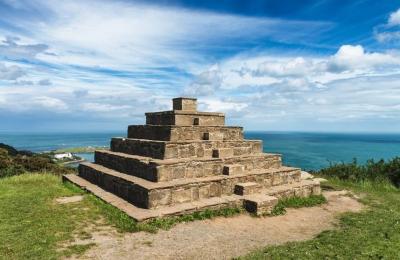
[(269, 65)]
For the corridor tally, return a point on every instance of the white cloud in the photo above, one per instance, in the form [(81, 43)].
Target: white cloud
[(49, 103), (293, 67), (44, 82), (12, 72), (389, 32), (127, 35), (120, 59), (394, 18), (350, 57), (206, 83), (350, 84), (227, 106), (101, 107), (10, 49)]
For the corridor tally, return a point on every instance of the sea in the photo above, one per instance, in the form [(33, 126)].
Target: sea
[(309, 151)]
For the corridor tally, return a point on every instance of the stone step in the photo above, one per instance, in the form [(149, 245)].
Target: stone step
[(170, 169), (185, 118), (147, 194), (303, 188), (183, 133), (140, 214), (247, 188), (259, 204), (183, 149), (222, 153), (213, 136), (233, 169)]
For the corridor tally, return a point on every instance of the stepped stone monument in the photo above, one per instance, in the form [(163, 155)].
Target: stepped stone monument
[(184, 161)]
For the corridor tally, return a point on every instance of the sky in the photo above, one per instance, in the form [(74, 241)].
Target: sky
[(287, 65)]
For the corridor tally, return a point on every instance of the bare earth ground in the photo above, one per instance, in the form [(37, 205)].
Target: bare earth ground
[(222, 238)]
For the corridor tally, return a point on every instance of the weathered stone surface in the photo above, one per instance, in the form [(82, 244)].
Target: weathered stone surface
[(259, 204), (182, 133), (154, 195), (222, 153), (182, 149), (167, 170), (233, 169), (182, 103), (218, 136), (184, 160), (185, 118), (247, 188)]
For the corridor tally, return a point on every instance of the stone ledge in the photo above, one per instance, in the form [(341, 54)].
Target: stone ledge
[(179, 133), (182, 149), (173, 169), (186, 112), (150, 160), (181, 118), (140, 214), (149, 185)]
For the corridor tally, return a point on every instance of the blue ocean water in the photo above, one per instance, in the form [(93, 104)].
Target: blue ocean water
[(306, 150)]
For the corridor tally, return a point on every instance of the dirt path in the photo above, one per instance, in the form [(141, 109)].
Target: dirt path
[(223, 238)]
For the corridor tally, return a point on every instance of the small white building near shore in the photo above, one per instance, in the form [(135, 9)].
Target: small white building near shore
[(61, 156)]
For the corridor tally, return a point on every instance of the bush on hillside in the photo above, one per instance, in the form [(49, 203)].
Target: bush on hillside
[(13, 162), (373, 170)]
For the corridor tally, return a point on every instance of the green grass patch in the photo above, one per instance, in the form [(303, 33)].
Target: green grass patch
[(296, 202), (84, 149), (77, 250), (372, 234), (34, 226), (168, 222), (31, 223)]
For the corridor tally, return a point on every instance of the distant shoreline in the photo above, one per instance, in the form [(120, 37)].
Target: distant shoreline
[(83, 149)]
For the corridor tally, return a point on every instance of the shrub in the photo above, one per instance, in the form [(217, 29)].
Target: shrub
[(19, 162), (373, 170)]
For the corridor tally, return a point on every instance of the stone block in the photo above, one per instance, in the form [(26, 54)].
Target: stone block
[(247, 188), (182, 103), (204, 191), (316, 189), (233, 169), (259, 204), (181, 195), (215, 189), (222, 153), (213, 136), (160, 198), (185, 118), (182, 133)]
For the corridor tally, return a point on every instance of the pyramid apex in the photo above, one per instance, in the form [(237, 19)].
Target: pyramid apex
[(184, 103)]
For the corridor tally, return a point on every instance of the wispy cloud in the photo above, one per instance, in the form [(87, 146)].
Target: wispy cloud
[(12, 72), (390, 31), (111, 61)]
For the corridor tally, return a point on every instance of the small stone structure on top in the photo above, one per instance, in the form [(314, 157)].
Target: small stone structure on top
[(184, 161)]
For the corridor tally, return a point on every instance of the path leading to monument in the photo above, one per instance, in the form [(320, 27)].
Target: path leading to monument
[(223, 238)]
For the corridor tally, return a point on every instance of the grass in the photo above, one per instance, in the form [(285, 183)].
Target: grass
[(372, 234), (34, 226), (84, 149), (168, 222), (31, 223), (297, 202)]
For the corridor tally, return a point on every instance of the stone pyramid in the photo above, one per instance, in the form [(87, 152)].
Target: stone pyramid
[(184, 161)]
